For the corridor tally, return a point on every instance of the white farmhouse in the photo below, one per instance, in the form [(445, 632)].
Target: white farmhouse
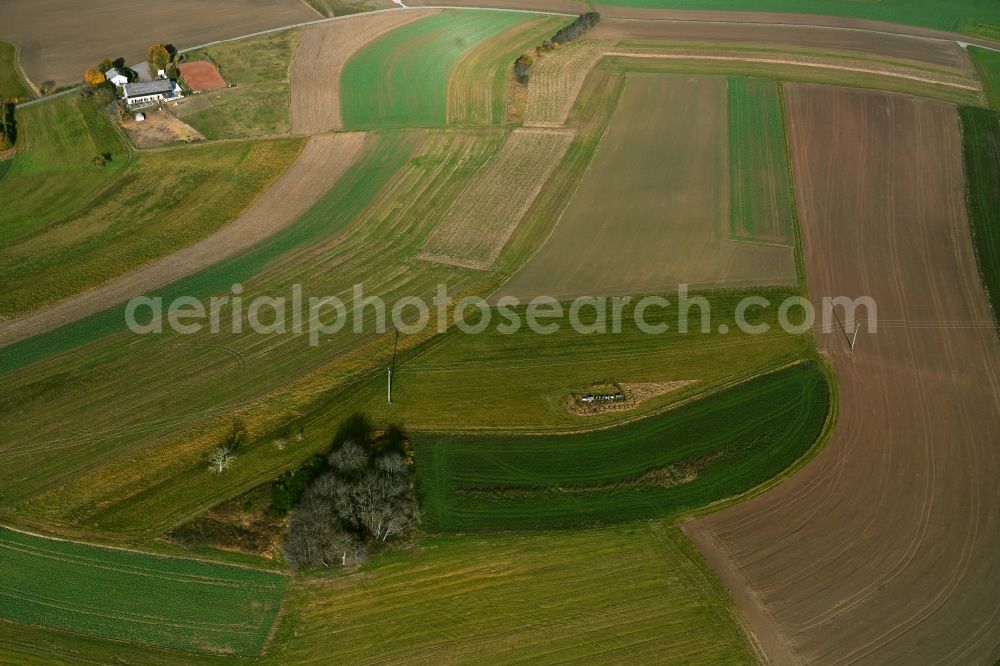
[(151, 92), (116, 77)]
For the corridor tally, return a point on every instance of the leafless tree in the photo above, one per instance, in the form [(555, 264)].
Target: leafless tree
[(221, 459)]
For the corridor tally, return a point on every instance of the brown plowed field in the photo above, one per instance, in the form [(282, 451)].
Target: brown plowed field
[(320, 59), (59, 39), (884, 549), (942, 54), (323, 160)]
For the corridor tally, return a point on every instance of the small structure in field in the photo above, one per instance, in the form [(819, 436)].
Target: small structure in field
[(140, 116), (116, 77), (148, 93), (202, 75)]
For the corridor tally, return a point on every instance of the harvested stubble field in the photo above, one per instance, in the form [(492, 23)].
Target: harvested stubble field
[(883, 548), (478, 225), (401, 79), (171, 429), (885, 47), (319, 63), (556, 80), (619, 594), (315, 170), (638, 223), (479, 86), (761, 206), (698, 453), (125, 595), (257, 104), (60, 39)]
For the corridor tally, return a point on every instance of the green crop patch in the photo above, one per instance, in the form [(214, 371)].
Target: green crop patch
[(981, 144), (135, 597), (12, 86), (703, 451), (401, 79), (988, 64), (760, 190)]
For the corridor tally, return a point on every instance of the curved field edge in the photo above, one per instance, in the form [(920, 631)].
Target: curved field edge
[(126, 595), (727, 443), (981, 148), (352, 193), (401, 78), (13, 83)]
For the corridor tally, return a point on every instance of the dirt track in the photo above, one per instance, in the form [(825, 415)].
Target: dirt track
[(59, 39), (320, 59), (323, 160), (884, 549)]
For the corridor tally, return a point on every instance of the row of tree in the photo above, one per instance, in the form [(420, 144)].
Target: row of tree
[(364, 499), (8, 127), (580, 25)]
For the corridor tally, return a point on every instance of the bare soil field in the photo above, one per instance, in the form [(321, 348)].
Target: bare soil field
[(883, 549), (320, 59), (942, 54), (641, 223), (322, 162), (202, 76), (483, 218), (160, 128), (557, 79), (59, 39)]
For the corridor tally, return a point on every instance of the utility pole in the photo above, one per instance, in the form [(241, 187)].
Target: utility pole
[(392, 365)]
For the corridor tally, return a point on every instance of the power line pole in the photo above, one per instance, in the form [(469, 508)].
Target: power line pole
[(392, 365)]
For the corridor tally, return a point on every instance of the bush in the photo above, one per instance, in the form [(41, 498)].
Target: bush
[(522, 68), (582, 24)]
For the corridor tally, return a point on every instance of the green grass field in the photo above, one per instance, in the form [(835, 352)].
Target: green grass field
[(627, 594), (988, 64), (53, 175), (135, 597), (981, 145), (258, 105), (401, 79), (761, 202), (477, 91), (162, 201), (683, 459), (955, 15), (12, 86)]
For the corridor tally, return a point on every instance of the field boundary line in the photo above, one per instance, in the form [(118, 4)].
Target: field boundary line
[(797, 63), (145, 553)]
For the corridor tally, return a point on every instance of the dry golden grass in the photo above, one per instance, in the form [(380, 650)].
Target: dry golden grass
[(483, 218), (557, 79)]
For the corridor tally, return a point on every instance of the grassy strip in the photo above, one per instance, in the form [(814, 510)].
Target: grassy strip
[(401, 79), (988, 64), (981, 145), (54, 176), (329, 216), (130, 596), (638, 594), (796, 73), (696, 454), (164, 201), (761, 206), (258, 102), (954, 15), (12, 86)]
